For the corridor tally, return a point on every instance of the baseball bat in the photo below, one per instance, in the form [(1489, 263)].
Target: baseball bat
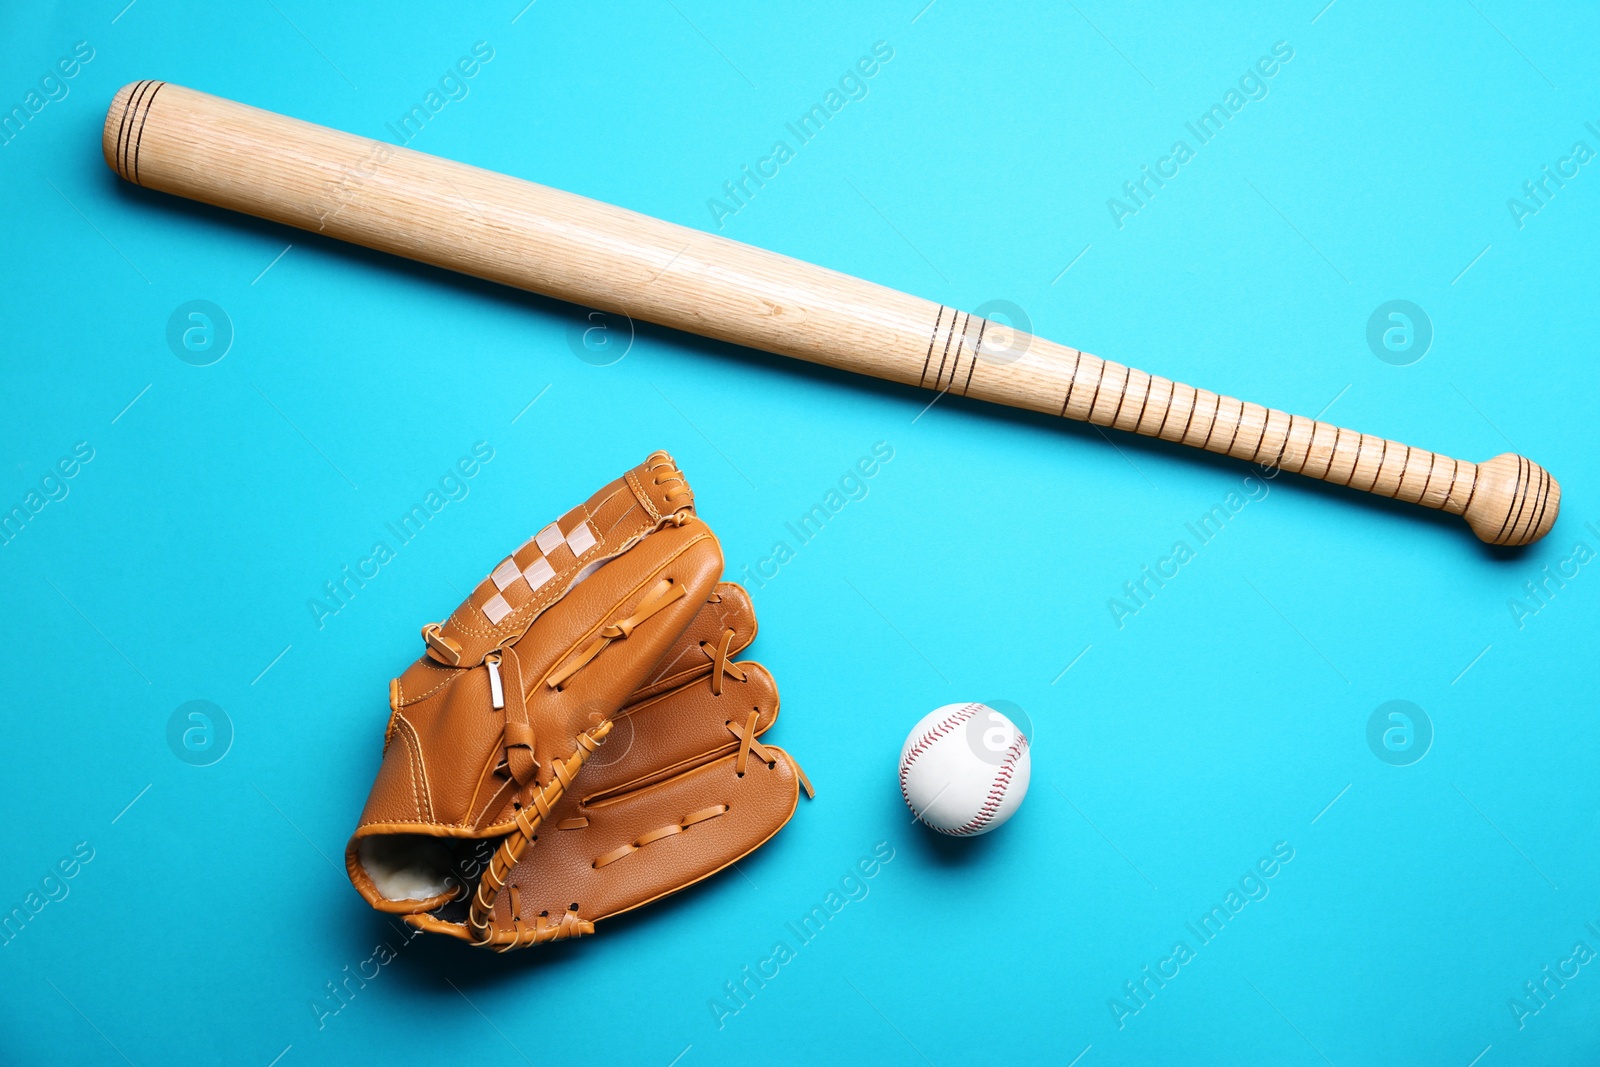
[(494, 226)]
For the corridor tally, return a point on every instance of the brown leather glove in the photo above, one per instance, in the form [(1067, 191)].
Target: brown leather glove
[(518, 688), (680, 789)]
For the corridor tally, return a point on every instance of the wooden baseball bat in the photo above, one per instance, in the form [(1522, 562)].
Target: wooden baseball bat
[(493, 226)]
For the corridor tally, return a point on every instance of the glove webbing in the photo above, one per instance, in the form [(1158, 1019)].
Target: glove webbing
[(527, 823)]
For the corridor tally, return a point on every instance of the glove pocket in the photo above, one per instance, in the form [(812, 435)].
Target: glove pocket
[(438, 789)]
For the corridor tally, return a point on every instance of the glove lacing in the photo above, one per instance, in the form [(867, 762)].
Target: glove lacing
[(720, 664), (519, 747), (524, 833)]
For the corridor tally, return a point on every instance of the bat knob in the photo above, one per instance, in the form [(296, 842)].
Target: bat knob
[(123, 132), (1514, 501)]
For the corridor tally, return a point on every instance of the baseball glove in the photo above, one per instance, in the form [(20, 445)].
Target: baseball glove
[(680, 789), (518, 688)]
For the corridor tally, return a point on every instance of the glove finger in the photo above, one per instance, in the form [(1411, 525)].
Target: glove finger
[(728, 608), (634, 847), (660, 736)]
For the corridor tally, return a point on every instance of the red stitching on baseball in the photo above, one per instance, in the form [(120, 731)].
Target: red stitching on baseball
[(997, 792), (925, 742)]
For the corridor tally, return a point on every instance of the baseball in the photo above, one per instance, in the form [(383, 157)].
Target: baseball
[(964, 769)]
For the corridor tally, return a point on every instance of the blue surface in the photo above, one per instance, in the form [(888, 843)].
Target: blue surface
[(1225, 718)]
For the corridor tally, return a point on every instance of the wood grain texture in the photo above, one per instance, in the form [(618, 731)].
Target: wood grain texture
[(507, 230)]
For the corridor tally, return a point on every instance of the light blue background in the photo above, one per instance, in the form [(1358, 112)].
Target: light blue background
[(1229, 714)]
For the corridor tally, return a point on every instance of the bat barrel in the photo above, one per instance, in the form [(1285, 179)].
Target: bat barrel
[(504, 229), (494, 226)]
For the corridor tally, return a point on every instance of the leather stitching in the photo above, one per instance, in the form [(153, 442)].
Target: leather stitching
[(643, 497), (450, 675), (419, 770)]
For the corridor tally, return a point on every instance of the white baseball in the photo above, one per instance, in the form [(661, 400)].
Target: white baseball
[(964, 769)]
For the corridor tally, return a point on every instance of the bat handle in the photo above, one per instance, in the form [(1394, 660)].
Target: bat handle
[(1507, 500)]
